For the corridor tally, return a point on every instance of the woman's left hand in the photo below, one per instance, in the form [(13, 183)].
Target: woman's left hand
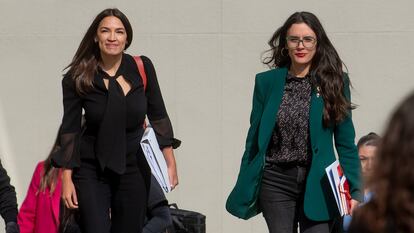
[(172, 166), (354, 205), (172, 174)]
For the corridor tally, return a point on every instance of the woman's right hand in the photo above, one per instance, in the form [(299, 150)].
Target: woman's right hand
[(68, 190)]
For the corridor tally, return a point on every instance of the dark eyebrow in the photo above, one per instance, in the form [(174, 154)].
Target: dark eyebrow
[(115, 28)]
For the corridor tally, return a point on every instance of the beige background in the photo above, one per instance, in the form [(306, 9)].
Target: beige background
[(206, 54)]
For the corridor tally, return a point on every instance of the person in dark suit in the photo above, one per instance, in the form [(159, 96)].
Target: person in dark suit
[(391, 207), (8, 202), (104, 168), (301, 110), (158, 217)]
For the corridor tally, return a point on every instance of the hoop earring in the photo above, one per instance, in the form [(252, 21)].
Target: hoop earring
[(281, 52)]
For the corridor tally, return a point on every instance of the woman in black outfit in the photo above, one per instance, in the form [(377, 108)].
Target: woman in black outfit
[(105, 173)]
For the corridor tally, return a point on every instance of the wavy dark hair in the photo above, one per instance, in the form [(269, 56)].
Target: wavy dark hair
[(326, 68), (85, 62), (392, 206)]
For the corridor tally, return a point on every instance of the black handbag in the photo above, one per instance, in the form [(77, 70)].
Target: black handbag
[(69, 220), (186, 221)]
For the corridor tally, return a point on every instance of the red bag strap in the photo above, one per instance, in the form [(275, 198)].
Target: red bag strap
[(141, 70)]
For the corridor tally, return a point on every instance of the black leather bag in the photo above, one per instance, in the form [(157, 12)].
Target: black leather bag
[(186, 221), (69, 220)]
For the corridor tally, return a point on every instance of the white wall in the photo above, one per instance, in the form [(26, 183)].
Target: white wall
[(206, 55)]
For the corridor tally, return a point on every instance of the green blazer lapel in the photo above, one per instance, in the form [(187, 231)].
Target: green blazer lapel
[(315, 116), (274, 99)]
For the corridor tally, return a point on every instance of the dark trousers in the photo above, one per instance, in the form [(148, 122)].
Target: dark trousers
[(281, 200), (108, 202)]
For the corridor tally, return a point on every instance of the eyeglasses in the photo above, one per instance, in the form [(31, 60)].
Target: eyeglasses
[(308, 42)]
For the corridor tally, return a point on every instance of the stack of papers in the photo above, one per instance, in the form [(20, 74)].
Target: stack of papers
[(340, 187), (155, 158)]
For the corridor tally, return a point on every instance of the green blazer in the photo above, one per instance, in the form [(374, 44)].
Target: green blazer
[(319, 202)]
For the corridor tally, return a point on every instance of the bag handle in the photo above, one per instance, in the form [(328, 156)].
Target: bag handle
[(141, 70), (173, 205)]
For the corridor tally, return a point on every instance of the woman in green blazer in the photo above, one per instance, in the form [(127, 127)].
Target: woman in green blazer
[(301, 110)]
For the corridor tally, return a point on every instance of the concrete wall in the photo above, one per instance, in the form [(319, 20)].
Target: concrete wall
[(206, 54)]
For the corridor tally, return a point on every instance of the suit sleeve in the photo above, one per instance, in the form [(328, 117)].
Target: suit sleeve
[(159, 217), (251, 148), (27, 213), (348, 154), (8, 202)]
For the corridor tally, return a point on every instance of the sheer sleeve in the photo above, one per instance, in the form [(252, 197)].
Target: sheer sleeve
[(156, 112), (65, 152)]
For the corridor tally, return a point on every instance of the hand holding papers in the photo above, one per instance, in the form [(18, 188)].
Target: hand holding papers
[(340, 187), (155, 158)]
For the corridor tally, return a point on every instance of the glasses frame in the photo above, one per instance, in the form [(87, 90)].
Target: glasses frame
[(301, 41)]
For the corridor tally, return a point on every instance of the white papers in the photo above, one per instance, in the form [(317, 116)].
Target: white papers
[(155, 158), (339, 186)]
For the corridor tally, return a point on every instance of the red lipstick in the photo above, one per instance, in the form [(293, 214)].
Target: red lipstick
[(300, 54)]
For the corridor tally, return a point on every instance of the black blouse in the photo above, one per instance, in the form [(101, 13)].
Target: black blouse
[(113, 121), (290, 140)]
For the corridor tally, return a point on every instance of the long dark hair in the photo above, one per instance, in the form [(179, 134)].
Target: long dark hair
[(85, 62), (326, 69), (392, 183), (50, 174)]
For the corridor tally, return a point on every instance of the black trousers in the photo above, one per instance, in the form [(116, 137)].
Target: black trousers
[(109, 202), (281, 200)]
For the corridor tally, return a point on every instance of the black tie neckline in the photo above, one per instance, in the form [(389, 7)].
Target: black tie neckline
[(111, 138)]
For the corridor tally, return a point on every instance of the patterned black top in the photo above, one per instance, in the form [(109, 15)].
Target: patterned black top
[(290, 142)]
